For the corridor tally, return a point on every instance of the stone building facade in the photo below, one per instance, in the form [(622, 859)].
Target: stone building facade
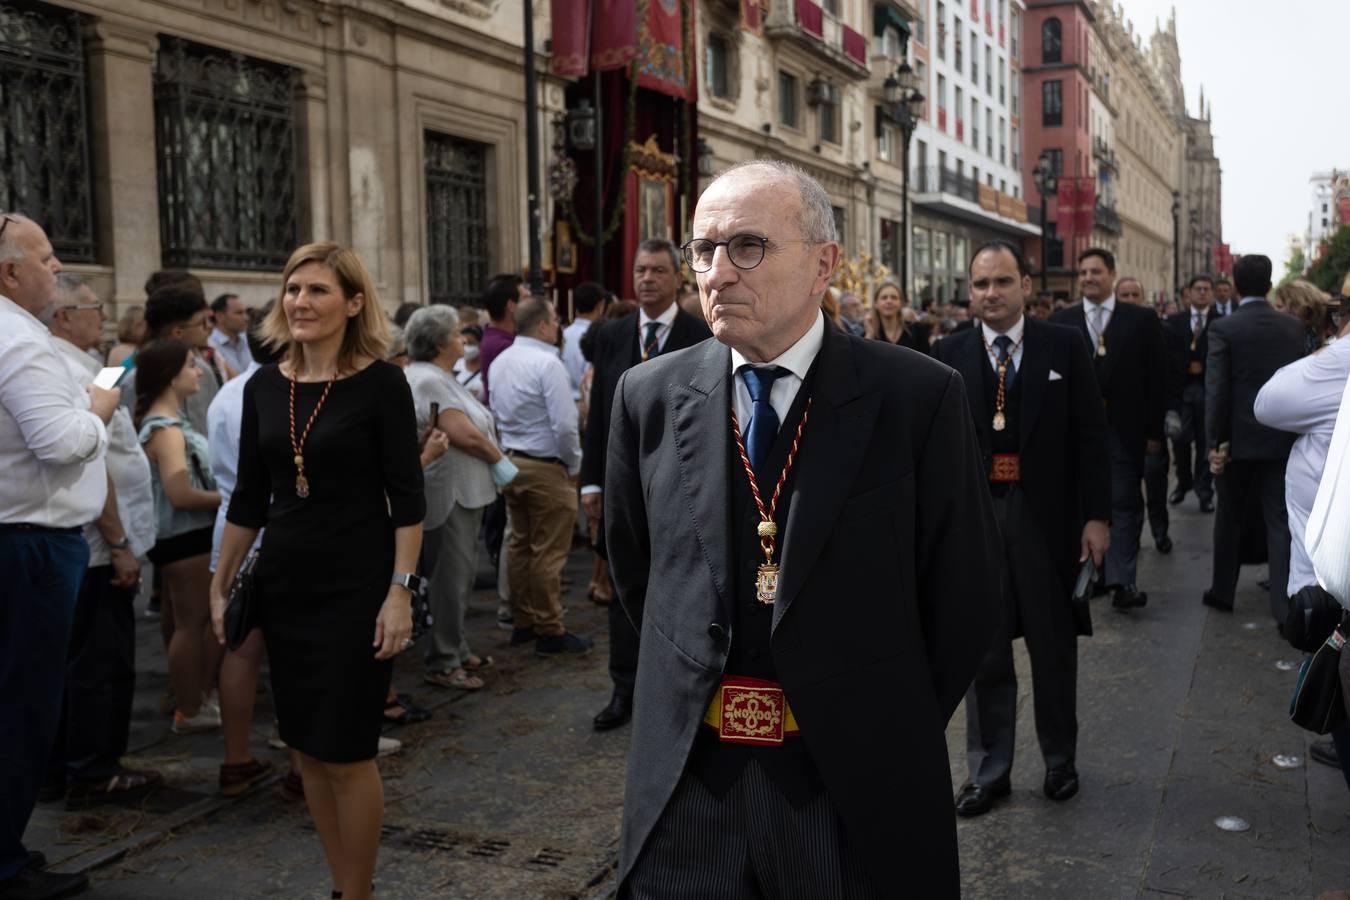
[(217, 135)]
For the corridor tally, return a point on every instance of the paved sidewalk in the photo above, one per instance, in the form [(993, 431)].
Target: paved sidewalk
[(508, 793)]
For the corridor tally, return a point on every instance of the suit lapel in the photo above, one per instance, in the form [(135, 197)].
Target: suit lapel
[(701, 427), (833, 443), (630, 329), (971, 366), (1033, 375)]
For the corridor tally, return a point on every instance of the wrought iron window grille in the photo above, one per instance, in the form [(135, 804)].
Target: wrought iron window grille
[(457, 228)]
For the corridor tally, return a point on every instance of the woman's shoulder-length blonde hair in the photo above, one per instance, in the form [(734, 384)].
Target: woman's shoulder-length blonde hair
[(367, 332)]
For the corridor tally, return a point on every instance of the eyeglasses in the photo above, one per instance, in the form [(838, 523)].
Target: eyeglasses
[(5, 224), (744, 250), (84, 306)]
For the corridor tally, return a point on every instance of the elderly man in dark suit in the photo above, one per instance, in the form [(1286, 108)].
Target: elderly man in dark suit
[(658, 326), (788, 724), (1188, 336), (1042, 432), (1130, 361), (1245, 349)]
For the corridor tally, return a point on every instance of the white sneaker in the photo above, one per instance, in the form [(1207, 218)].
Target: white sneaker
[(212, 700), (388, 747), (206, 719)]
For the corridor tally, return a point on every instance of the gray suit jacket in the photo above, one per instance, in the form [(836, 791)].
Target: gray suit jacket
[(1245, 349), (888, 592)]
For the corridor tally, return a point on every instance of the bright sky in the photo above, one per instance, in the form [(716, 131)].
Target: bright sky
[(1275, 74)]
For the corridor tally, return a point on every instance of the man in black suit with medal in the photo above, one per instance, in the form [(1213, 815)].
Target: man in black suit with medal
[(1042, 432), (799, 526), (659, 326), (1188, 339), (1130, 361)]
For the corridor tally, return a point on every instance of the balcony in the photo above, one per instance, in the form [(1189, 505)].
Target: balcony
[(805, 24), (959, 196), (1105, 218), (1105, 156)]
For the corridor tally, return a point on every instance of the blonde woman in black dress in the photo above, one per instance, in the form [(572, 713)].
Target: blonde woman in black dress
[(886, 320), (328, 462)]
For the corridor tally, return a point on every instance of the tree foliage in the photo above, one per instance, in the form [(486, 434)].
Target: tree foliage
[(1330, 269), (1294, 265)]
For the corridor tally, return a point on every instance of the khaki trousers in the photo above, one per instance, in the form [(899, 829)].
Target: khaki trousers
[(541, 504)]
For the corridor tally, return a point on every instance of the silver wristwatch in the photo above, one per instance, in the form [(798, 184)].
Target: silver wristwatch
[(408, 580)]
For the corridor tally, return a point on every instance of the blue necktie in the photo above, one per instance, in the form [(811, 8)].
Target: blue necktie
[(764, 423), (650, 346), (1002, 347)]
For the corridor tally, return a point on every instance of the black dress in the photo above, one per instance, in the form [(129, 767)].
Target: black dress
[(915, 336), (326, 560)]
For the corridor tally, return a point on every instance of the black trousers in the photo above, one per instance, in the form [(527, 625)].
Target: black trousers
[(1036, 603), (1155, 492), (623, 650), (1188, 448), (749, 844), (100, 681), (1241, 482)]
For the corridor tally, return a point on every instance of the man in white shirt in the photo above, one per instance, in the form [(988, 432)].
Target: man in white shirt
[(101, 664), (588, 299), (532, 401), (228, 337), (53, 436)]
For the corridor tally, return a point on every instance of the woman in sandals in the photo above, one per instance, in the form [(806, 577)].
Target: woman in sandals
[(459, 487), (328, 461), (185, 504)]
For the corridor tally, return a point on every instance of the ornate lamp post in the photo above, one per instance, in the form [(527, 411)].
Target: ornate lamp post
[(1046, 184), (533, 199), (1176, 245), (583, 130), (904, 104)]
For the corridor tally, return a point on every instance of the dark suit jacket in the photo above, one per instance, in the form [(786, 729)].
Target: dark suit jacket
[(888, 590), (1245, 349), (615, 350), (1062, 435), (1132, 376)]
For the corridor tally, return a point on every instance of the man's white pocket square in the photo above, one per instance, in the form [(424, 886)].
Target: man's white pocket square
[(1055, 376)]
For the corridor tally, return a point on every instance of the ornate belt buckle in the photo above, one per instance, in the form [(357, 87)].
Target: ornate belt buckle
[(1195, 368), (752, 715), (1005, 468)]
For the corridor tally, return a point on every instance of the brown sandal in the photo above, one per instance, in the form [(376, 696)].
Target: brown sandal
[(237, 778)]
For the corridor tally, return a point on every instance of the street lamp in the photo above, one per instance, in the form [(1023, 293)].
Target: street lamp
[(1176, 245), (583, 131), (533, 190), (904, 103), (1046, 184)]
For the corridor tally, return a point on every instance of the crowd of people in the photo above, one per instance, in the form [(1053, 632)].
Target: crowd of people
[(349, 470)]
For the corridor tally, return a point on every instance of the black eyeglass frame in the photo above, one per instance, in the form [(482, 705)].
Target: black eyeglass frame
[(687, 250)]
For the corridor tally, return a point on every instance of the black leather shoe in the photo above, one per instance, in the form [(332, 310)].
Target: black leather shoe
[(31, 884), (565, 644), (1324, 751), (977, 799), (1207, 506), (522, 636), (618, 712), (1176, 496), (1060, 784), (1128, 598), (1209, 599), (1164, 544)]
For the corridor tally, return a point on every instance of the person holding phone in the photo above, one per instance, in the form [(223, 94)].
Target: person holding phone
[(459, 488), (185, 504)]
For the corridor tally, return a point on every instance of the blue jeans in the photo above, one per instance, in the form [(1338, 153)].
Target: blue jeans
[(40, 573)]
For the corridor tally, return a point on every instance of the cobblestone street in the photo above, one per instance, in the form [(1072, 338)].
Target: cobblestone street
[(508, 793)]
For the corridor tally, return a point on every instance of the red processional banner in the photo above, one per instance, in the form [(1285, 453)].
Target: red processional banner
[(752, 18), (571, 38), (598, 35), (1087, 204), (661, 37), (1066, 203)]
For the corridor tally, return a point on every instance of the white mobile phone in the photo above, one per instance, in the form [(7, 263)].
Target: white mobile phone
[(108, 378)]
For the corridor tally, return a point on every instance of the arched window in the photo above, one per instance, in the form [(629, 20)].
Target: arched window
[(1050, 41)]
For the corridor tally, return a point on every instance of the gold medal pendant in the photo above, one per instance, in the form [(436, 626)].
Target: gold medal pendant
[(766, 584), (1000, 421), (1101, 346), (301, 486)]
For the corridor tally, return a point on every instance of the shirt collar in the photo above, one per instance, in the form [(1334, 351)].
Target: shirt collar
[(666, 318), (796, 359), (1014, 333), (75, 353), (542, 345), (225, 338), (5, 302), (1109, 304), (1245, 300)]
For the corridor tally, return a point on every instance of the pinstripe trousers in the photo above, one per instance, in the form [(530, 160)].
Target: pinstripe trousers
[(750, 844)]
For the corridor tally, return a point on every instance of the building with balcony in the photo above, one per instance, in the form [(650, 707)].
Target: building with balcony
[(804, 86), (966, 163), (1328, 211)]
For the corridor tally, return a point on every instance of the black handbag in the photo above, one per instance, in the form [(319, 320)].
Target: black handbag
[(1318, 703), (241, 609), (1313, 615)]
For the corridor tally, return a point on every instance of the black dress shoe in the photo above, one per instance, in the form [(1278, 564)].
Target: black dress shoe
[(1207, 506), (977, 799), (1128, 598), (1060, 784), (522, 636), (1164, 544), (1209, 599), (619, 711), (31, 884), (1176, 496), (1324, 751)]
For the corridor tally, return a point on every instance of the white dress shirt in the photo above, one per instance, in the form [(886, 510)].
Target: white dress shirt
[(1014, 333), (531, 399), (1245, 300), (127, 466), (224, 417), (665, 320), (1303, 398), (235, 352), (572, 358), (1097, 327), (51, 443), (797, 359)]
